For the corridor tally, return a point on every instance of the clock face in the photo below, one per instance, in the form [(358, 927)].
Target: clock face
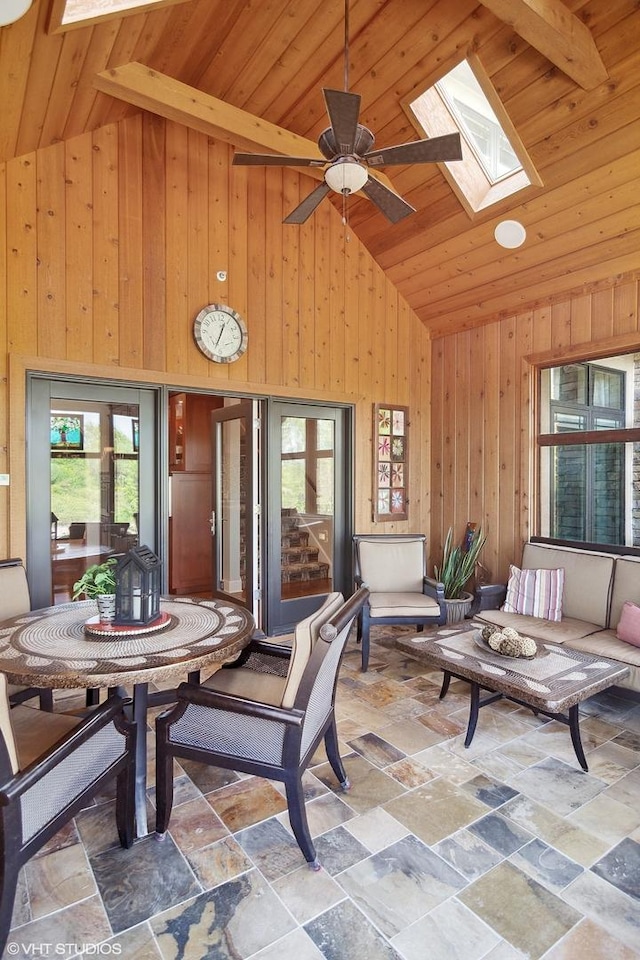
[(220, 333)]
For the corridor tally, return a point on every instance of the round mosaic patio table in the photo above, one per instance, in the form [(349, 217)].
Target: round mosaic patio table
[(51, 648)]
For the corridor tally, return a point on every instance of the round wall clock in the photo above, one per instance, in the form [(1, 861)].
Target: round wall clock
[(220, 333)]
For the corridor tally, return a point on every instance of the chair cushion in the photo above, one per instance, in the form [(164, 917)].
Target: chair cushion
[(14, 592), (36, 731), (535, 593), (402, 605), (304, 638), (248, 684), (387, 566), (5, 725), (628, 628)]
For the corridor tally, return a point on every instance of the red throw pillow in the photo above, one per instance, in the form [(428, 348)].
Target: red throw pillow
[(628, 628)]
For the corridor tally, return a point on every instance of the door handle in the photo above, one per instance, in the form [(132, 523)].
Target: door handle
[(212, 523)]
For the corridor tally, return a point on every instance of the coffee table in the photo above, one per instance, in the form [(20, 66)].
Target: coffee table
[(554, 683)]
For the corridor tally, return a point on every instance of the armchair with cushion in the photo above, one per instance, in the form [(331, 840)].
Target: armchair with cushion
[(393, 567), (265, 716), (50, 765), (14, 600)]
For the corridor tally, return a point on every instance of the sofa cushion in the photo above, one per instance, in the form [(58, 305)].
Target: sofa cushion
[(628, 628), (587, 579), (626, 586), (535, 593), (604, 643), (560, 631)]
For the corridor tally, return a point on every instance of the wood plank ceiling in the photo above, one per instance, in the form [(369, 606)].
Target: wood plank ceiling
[(572, 90)]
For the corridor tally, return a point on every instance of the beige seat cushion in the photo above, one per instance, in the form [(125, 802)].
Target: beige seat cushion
[(278, 691), (390, 566), (14, 592), (249, 685), (557, 631), (402, 605), (36, 731), (606, 644)]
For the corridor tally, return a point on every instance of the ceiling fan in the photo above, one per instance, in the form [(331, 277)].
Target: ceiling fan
[(347, 154)]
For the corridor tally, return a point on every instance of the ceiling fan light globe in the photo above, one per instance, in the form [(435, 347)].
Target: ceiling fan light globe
[(346, 176), (12, 10)]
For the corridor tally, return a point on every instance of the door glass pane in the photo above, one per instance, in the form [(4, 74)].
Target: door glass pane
[(307, 506), (234, 496), (94, 486)]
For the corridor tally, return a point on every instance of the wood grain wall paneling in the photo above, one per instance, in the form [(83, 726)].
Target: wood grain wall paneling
[(601, 323), (112, 242)]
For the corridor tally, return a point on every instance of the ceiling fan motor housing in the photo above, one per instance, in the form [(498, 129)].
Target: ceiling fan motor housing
[(331, 149)]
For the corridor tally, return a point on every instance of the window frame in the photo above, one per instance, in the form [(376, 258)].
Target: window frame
[(57, 24), (591, 437)]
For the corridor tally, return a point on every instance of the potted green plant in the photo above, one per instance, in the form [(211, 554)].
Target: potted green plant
[(456, 569), (98, 583)]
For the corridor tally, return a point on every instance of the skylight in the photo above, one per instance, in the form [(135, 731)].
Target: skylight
[(66, 14), (477, 120), (495, 163)]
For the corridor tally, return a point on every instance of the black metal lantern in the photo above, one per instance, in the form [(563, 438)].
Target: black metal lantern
[(138, 587)]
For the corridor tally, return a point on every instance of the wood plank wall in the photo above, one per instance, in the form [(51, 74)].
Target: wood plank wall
[(482, 383), (110, 243)]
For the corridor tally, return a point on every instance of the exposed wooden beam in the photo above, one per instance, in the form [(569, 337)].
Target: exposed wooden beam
[(160, 94), (556, 33), (173, 100)]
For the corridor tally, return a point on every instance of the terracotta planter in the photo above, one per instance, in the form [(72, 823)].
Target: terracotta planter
[(458, 609)]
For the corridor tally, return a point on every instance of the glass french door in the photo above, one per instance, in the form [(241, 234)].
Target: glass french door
[(235, 526), (92, 450), (309, 509)]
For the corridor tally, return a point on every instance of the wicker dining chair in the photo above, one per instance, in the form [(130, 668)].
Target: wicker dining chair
[(265, 723), (51, 764)]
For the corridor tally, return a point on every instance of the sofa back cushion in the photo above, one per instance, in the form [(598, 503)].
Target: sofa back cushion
[(626, 586), (587, 579)]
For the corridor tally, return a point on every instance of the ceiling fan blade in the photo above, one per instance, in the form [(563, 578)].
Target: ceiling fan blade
[(433, 150), (304, 210), (343, 109), (393, 206), (275, 160)]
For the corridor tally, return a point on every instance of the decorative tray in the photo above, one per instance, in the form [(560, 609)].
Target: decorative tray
[(113, 631), (482, 643)]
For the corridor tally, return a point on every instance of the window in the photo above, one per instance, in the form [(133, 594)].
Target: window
[(589, 442), (66, 14), (495, 163)]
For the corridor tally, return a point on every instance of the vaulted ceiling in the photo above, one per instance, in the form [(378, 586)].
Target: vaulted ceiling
[(568, 74)]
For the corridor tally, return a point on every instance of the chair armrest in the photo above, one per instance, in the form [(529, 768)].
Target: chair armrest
[(203, 697), (489, 596), (281, 651), (105, 714), (433, 588)]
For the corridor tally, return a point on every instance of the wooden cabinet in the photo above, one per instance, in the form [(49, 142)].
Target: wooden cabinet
[(190, 462), (190, 432)]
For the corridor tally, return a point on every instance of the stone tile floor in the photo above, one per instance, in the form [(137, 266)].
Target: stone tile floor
[(502, 851)]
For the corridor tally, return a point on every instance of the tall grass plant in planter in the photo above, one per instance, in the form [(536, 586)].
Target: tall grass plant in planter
[(456, 569)]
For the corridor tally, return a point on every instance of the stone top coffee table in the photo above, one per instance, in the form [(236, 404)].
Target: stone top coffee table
[(553, 683)]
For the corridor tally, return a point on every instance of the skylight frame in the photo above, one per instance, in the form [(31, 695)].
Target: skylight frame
[(58, 24), (431, 115)]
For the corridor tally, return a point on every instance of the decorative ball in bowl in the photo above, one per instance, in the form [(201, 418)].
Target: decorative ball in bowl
[(508, 642)]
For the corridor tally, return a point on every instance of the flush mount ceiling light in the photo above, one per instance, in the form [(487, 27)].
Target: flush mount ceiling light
[(346, 176), (510, 234), (12, 10)]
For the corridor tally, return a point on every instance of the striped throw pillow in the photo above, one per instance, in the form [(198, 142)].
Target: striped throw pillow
[(535, 593)]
